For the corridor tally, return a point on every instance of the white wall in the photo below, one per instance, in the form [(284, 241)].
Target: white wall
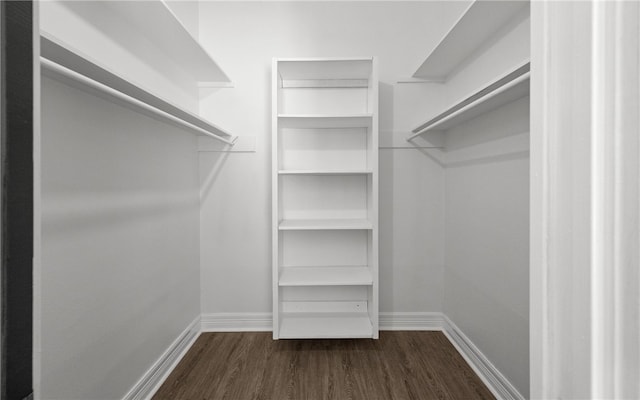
[(120, 269), (235, 215), (486, 283)]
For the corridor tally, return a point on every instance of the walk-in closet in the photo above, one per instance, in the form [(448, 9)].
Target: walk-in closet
[(334, 199)]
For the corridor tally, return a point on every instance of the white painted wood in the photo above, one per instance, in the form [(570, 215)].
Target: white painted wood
[(480, 22), (325, 68), (325, 83), (62, 62), (584, 247), (490, 375), (237, 322), (507, 89), (276, 246), (325, 224), (329, 326), (155, 376), (155, 21), (324, 171), (325, 276), (325, 121), (411, 321)]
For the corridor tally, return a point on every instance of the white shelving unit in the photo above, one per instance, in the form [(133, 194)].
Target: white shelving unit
[(508, 88), (62, 62), (479, 23), (325, 198)]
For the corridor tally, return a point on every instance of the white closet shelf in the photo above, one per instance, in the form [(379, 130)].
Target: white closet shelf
[(479, 23), (510, 87), (325, 276), (324, 224), (324, 121), (61, 62), (293, 69), (155, 20), (323, 172), (325, 326)]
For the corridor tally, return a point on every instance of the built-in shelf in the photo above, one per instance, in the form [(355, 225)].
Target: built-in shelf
[(324, 121), (325, 276), (323, 172), (508, 88), (155, 20), (479, 23), (325, 69), (62, 62), (324, 224), (329, 325)]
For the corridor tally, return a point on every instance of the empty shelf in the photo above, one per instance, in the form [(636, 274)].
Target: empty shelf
[(324, 121), (325, 68), (323, 172), (325, 326), (324, 224), (509, 88), (325, 276), (477, 25), (157, 22)]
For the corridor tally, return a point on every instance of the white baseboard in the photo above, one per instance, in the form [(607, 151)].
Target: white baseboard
[(160, 370), (261, 322), (237, 322), (410, 321), (490, 375)]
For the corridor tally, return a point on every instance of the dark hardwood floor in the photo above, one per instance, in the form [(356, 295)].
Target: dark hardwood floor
[(249, 365)]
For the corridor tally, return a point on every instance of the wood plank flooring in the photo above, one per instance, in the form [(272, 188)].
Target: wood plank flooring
[(250, 365)]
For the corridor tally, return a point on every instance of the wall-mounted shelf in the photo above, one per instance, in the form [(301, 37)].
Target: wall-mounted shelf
[(478, 24), (324, 224), (156, 21), (60, 61), (509, 88), (325, 276), (324, 121)]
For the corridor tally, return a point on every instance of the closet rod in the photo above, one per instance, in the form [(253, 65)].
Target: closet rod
[(502, 85), (68, 73)]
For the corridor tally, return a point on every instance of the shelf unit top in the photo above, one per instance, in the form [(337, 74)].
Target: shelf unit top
[(325, 276), (325, 326), (324, 224), (478, 24), (510, 87), (59, 54), (324, 68), (325, 121), (156, 21)]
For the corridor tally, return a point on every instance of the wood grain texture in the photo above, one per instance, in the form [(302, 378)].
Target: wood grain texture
[(250, 365)]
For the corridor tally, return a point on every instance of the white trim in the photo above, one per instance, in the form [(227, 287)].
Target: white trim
[(488, 373), (155, 376), (237, 322), (411, 321)]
